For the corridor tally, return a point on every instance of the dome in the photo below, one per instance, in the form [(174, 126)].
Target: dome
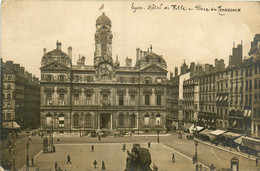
[(56, 55), (152, 58), (103, 20)]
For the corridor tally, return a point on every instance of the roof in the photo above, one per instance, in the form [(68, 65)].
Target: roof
[(103, 20), (198, 128), (231, 135), (189, 126), (217, 132)]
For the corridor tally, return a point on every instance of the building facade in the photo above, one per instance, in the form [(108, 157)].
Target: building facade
[(21, 97), (105, 95)]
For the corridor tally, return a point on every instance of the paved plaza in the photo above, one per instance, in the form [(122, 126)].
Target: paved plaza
[(111, 153)]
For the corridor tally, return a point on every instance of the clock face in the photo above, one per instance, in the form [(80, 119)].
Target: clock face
[(105, 71)]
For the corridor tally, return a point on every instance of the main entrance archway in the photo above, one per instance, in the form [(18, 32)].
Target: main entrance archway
[(105, 121)]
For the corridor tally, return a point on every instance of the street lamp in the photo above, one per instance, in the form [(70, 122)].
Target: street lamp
[(158, 132), (196, 153), (27, 147)]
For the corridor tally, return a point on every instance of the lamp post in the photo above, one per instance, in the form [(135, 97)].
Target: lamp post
[(27, 147), (196, 153), (158, 132)]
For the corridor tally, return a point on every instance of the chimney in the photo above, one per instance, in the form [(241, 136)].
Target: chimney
[(151, 48), (58, 45), (44, 51), (141, 54), (128, 62), (176, 72), (137, 54), (144, 53), (171, 75), (70, 52)]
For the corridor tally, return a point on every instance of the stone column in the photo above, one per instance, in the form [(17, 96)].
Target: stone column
[(98, 121)]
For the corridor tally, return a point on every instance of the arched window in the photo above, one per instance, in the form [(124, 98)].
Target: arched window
[(49, 120), (221, 125), (76, 119), (146, 119), (133, 120), (61, 120), (9, 87), (159, 80), (9, 96), (147, 80), (225, 124), (121, 120), (88, 121), (61, 78), (158, 120), (9, 77)]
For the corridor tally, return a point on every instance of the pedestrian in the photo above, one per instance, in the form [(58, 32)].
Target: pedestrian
[(193, 159), (103, 166), (149, 144), (56, 166), (197, 167), (173, 158), (155, 168), (99, 137), (256, 162), (238, 149), (92, 148), (16, 135), (95, 164), (124, 147), (200, 167), (68, 159), (53, 148), (115, 135), (249, 151), (10, 150)]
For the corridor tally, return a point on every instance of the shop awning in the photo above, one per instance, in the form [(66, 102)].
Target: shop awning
[(217, 132), (198, 128), (238, 140), (205, 132), (251, 143), (10, 125), (217, 98), (220, 98), (231, 135)]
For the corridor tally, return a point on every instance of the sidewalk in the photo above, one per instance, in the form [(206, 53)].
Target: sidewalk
[(227, 149)]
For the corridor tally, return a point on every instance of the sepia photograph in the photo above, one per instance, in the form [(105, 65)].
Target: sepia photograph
[(92, 85)]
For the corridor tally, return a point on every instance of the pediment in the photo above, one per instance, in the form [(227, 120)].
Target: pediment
[(56, 66), (153, 68)]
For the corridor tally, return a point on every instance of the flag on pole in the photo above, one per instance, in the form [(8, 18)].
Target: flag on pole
[(102, 6)]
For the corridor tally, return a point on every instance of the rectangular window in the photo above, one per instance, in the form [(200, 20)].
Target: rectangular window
[(250, 99), (76, 99), (147, 100), (146, 120), (61, 121), (158, 100), (49, 99), (88, 99), (61, 99), (132, 101), (250, 85), (8, 116), (255, 84), (121, 99)]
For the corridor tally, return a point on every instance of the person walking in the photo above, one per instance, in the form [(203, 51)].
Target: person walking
[(173, 158), (124, 147), (155, 168), (99, 137), (256, 162), (92, 148), (95, 164), (149, 144), (200, 167), (56, 166), (103, 166), (68, 159)]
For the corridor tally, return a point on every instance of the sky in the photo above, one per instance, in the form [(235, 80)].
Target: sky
[(194, 36)]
